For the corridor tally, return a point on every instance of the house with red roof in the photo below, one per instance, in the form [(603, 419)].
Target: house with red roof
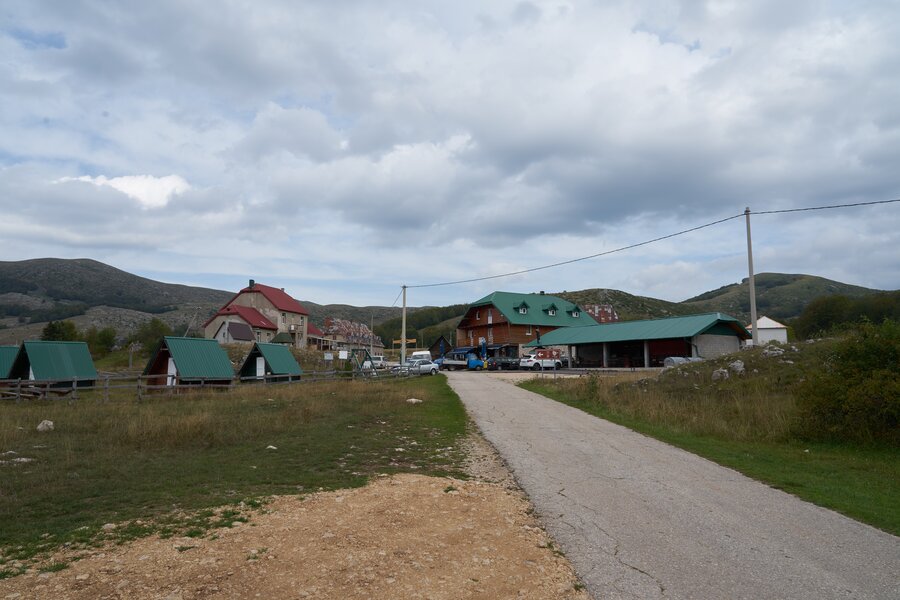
[(271, 314)]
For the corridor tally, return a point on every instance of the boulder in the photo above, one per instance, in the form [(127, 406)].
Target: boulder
[(45, 426), (720, 374), (737, 367)]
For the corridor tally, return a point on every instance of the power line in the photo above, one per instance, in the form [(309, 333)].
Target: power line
[(394, 303), (644, 243), (579, 259), (790, 210)]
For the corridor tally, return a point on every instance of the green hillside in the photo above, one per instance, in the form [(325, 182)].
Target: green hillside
[(778, 295), (627, 306)]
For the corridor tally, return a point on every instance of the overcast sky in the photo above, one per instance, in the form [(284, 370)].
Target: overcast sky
[(342, 149)]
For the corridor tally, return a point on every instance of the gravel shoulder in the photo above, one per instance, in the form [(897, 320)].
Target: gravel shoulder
[(402, 536)]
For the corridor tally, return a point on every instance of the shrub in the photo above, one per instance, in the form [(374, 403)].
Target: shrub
[(856, 394)]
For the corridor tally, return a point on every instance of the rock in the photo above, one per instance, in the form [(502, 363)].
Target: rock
[(773, 351), (45, 426), (719, 374), (271, 448), (108, 527), (737, 367), (413, 401)]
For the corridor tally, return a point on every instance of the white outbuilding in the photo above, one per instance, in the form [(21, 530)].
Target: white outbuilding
[(769, 331)]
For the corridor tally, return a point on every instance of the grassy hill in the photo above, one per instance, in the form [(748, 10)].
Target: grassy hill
[(778, 295), (92, 294), (628, 306)]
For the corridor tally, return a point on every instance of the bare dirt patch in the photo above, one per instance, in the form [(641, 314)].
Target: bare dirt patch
[(403, 536)]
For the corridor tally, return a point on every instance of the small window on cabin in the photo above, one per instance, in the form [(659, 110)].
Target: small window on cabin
[(523, 310), (257, 336), (477, 315), (552, 312), (528, 330), (283, 318), (575, 313)]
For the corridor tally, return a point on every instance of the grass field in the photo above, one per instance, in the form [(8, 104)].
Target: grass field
[(748, 423), (161, 465)]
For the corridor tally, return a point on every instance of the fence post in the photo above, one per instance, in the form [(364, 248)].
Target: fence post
[(139, 388), (47, 390), (106, 390), (19, 390), (75, 389)]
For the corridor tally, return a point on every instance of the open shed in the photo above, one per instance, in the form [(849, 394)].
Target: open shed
[(62, 363), (271, 362), (185, 361), (7, 356), (648, 343)]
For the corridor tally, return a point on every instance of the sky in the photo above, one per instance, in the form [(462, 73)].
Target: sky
[(343, 149)]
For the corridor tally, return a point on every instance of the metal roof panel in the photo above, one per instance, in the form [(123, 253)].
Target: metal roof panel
[(280, 359), (650, 329), (198, 358)]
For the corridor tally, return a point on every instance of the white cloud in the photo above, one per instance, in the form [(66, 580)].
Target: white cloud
[(151, 192), (470, 136)]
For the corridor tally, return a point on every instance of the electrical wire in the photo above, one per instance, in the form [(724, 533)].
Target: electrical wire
[(579, 259), (790, 210), (644, 243)]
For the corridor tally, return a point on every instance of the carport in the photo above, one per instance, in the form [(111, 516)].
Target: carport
[(647, 343)]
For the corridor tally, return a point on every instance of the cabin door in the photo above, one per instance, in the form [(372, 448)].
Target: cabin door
[(171, 372), (260, 366)]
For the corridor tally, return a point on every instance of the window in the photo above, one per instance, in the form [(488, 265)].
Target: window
[(477, 315), (552, 312), (283, 318), (528, 330), (523, 310), (575, 314), (257, 336)]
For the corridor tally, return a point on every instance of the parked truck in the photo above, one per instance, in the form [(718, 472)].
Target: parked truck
[(542, 358), (456, 361)]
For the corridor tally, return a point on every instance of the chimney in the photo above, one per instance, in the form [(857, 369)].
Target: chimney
[(252, 283), (542, 292)]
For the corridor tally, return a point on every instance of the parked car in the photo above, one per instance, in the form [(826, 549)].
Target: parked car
[(418, 366), (531, 361), (378, 362), (502, 363)]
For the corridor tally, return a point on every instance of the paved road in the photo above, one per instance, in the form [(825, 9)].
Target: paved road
[(642, 519)]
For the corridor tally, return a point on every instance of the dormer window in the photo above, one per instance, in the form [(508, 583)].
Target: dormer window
[(575, 314), (523, 310), (552, 312)]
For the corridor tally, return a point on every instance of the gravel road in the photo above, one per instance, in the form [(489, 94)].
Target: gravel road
[(641, 519)]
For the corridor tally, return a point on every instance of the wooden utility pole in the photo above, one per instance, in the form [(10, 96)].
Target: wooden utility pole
[(751, 283), (403, 330)]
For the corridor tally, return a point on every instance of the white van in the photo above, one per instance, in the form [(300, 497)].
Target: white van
[(419, 354)]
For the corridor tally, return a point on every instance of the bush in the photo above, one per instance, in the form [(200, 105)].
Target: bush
[(856, 395)]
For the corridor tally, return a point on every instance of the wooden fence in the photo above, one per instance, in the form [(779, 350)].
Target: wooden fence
[(142, 385)]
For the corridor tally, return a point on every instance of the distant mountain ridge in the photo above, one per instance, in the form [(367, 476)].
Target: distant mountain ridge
[(92, 293)]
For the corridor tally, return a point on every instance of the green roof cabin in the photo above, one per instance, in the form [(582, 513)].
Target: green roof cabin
[(648, 343), (505, 321), (59, 362), (270, 362), (185, 361), (7, 356)]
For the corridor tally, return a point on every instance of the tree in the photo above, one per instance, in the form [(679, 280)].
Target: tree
[(60, 331), (151, 333), (100, 342)]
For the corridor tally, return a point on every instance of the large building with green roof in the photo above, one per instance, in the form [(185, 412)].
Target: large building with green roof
[(648, 343), (506, 321)]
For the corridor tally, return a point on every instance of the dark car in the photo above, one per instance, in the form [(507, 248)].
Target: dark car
[(502, 363)]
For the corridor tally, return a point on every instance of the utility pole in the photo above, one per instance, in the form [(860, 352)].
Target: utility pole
[(403, 330), (751, 282)]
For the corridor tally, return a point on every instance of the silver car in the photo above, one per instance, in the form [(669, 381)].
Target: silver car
[(417, 366)]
